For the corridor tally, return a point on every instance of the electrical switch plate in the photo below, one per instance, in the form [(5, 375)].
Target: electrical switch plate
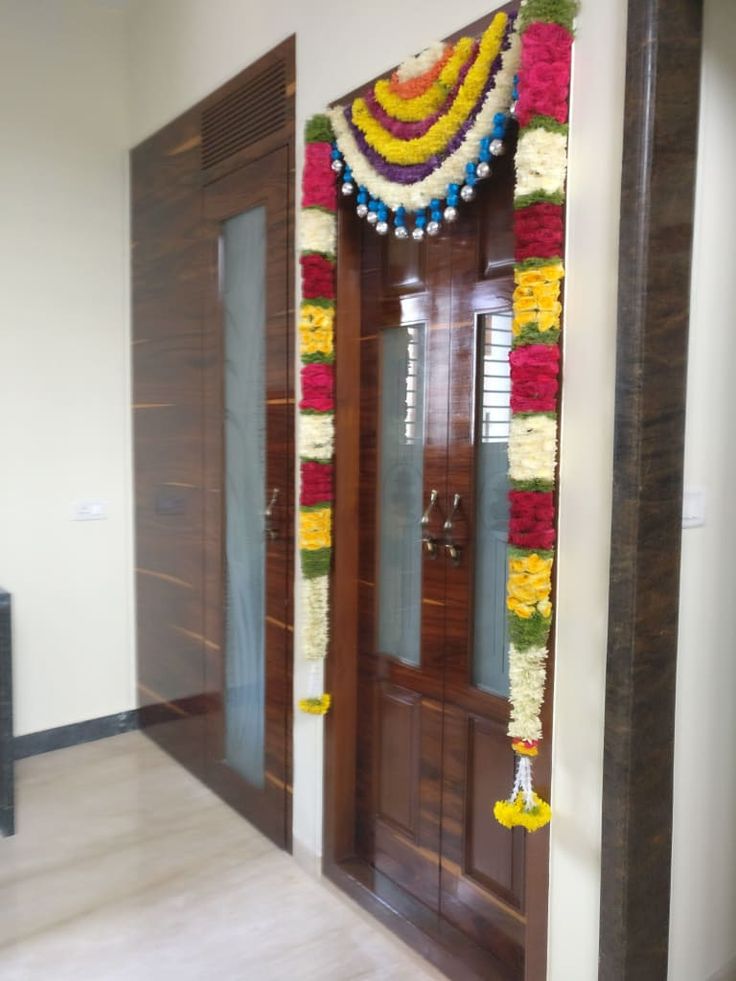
[(89, 510), (693, 507)]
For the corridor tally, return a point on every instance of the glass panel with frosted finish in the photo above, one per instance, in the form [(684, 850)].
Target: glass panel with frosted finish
[(490, 647), (401, 477), (243, 296)]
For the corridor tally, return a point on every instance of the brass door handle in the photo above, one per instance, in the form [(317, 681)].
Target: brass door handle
[(271, 530), (452, 549), (429, 543)]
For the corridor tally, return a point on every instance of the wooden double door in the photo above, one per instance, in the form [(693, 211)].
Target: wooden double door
[(433, 755)]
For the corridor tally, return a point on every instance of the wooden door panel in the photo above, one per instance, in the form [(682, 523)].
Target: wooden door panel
[(407, 827), (400, 720), (482, 864), (398, 740), (403, 267), (433, 754)]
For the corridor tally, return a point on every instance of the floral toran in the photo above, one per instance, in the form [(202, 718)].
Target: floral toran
[(412, 148)]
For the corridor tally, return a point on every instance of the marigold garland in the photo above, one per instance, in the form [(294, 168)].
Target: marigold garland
[(317, 353), (420, 140), (541, 164)]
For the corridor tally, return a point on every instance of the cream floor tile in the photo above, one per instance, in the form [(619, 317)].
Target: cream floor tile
[(126, 868)]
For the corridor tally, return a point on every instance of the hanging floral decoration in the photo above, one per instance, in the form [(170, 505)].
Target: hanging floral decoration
[(412, 149), (317, 410), (545, 29)]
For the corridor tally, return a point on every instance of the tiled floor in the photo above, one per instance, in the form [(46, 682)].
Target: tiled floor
[(125, 867)]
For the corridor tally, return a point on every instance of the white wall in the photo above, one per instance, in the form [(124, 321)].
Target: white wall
[(64, 358), (703, 909), (182, 49)]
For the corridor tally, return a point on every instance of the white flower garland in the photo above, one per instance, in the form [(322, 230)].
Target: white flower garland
[(527, 673), (422, 62), (532, 447), (316, 437), (541, 162), (318, 231)]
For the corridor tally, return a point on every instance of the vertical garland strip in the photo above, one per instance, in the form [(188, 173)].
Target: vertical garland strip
[(541, 164), (317, 408)]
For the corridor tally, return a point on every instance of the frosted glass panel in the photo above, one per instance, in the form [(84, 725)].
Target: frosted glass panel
[(243, 294), (490, 654), (401, 476)]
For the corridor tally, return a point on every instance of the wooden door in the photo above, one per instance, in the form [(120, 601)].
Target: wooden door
[(249, 503), (433, 755)]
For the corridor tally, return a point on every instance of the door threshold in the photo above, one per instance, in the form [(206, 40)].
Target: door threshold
[(443, 945)]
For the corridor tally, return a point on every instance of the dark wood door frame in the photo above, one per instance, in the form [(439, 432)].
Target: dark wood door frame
[(657, 209), (656, 229)]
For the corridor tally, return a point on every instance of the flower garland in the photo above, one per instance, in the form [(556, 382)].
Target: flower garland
[(421, 140), (541, 163), (316, 423), (420, 143)]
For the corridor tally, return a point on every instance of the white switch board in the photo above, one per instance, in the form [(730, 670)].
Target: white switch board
[(89, 510), (693, 507)]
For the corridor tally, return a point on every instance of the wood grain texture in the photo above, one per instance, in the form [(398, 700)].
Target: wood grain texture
[(661, 111), (177, 208), (415, 819), (7, 757)]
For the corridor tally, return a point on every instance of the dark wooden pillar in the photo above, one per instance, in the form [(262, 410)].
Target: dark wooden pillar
[(657, 202), (7, 793)]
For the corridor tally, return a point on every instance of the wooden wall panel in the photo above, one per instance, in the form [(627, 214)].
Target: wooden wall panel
[(168, 266), (177, 406)]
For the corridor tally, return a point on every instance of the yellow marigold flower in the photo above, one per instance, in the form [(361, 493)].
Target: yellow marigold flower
[(315, 340), (513, 813), (316, 706), (421, 106), (545, 608), (537, 275), (396, 150), (315, 528), (548, 321), (317, 315), (522, 610), (530, 563)]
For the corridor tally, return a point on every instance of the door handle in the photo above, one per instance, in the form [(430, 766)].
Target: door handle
[(429, 543), (271, 530), (452, 549)]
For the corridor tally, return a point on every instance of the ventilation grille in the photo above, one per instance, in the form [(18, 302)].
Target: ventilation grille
[(244, 117)]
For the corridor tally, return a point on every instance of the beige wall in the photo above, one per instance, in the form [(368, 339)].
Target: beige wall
[(64, 361), (703, 910), (179, 51)]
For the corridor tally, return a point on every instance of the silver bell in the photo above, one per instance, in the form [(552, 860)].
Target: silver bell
[(450, 213), (483, 169), (497, 148), (433, 228), (401, 231), (361, 210), (347, 188), (382, 227), (337, 166), (417, 234), (467, 193), (371, 218)]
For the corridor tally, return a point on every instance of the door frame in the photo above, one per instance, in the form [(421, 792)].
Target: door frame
[(448, 948), (664, 49)]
